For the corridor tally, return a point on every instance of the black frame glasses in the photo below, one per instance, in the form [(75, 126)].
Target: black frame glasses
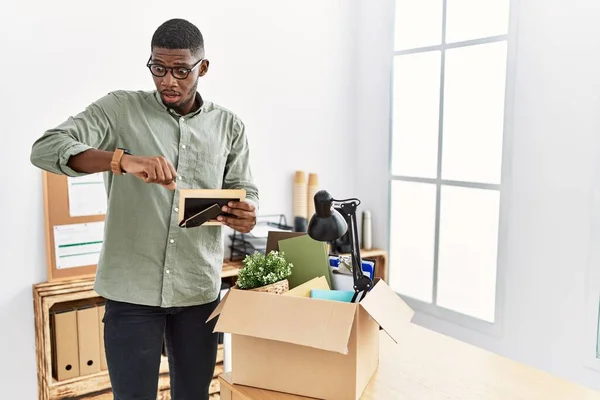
[(160, 70)]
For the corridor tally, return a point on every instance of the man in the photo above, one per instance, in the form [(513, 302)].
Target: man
[(159, 280)]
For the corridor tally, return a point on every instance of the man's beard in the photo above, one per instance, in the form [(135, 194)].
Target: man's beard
[(190, 97)]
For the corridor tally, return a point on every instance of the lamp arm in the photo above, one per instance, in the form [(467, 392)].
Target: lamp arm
[(362, 283), (356, 260)]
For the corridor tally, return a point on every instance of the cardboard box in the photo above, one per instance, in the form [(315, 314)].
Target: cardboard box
[(316, 348)]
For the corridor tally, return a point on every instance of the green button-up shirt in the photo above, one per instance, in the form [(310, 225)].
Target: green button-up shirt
[(146, 257)]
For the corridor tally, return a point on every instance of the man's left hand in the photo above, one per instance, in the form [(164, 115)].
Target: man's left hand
[(244, 216)]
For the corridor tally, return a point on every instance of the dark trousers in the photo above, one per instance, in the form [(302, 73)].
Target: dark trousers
[(133, 337)]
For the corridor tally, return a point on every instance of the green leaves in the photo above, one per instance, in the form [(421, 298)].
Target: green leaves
[(260, 270)]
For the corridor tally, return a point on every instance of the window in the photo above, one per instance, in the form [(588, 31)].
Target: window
[(448, 97), (591, 336), (598, 333), (591, 330)]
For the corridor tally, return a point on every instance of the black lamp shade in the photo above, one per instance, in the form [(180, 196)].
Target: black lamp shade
[(327, 224)]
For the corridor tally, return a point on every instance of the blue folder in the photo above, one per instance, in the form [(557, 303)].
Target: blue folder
[(335, 295)]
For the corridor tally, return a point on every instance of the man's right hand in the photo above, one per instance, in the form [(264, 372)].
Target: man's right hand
[(150, 169)]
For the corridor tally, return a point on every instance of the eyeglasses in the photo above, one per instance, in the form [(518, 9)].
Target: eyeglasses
[(177, 72)]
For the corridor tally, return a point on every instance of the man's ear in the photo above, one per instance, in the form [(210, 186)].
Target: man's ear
[(204, 67)]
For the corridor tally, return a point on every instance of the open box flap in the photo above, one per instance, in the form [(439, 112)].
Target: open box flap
[(388, 309), (219, 307), (321, 324)]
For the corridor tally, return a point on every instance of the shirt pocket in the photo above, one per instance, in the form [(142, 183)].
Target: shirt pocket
[(209, 170)]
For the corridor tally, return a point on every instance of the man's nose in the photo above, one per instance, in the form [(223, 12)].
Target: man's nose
[(168, 80)]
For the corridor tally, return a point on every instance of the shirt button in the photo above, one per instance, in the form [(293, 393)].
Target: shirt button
[(180, 177), (183, 146), (182, 119), (176, 209), (168, 271), (172, 241)]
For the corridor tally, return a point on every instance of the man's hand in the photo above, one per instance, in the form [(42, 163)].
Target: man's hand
[(150, 169), (245, 216)]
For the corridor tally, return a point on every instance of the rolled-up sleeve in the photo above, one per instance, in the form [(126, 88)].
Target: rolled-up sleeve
[(238, 174), (92, 128)]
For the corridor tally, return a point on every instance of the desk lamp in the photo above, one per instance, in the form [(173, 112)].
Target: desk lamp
[(328, 224)]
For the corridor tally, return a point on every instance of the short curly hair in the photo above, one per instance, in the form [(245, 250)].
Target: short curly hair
[(178, 33)]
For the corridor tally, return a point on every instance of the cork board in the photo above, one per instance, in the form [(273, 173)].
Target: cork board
[(58, 220)]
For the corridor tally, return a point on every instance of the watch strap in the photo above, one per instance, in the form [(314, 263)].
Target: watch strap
[(115, 163)]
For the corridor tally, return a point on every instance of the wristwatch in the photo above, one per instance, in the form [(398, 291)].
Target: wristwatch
[(115, 164)]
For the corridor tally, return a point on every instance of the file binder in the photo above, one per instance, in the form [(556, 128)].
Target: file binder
[(88, 337), (66, 360)]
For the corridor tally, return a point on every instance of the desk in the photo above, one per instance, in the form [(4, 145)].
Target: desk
[(431, 366), (231, 269)]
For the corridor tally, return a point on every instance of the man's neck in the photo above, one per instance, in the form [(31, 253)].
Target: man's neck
[(196, 104), (189, 108)]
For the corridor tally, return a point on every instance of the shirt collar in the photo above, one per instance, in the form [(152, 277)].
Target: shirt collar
[(170, 110)]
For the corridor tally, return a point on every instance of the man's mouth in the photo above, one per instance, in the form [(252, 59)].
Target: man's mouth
[(170, 97)]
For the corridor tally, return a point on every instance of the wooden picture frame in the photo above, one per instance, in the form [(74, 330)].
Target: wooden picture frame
[(192, 201)]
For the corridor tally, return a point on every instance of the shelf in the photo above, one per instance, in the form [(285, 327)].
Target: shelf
[(94, 386)]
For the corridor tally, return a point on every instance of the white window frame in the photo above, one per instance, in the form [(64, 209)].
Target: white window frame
[(590, 350), (432, 309)]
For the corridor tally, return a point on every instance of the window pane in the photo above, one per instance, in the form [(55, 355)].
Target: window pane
[(475, 19), (474, 113), (412, 232), (598, 333), (418, 23), (467, 251), (416, 114)]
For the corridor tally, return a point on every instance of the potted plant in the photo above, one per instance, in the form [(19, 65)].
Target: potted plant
[(265, 273)]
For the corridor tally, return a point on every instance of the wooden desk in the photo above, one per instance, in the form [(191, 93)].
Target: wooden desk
[(230, 269), (431, 366)]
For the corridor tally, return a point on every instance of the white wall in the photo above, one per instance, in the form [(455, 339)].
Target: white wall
[(554, 162), (287, 68), (375, 41)]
